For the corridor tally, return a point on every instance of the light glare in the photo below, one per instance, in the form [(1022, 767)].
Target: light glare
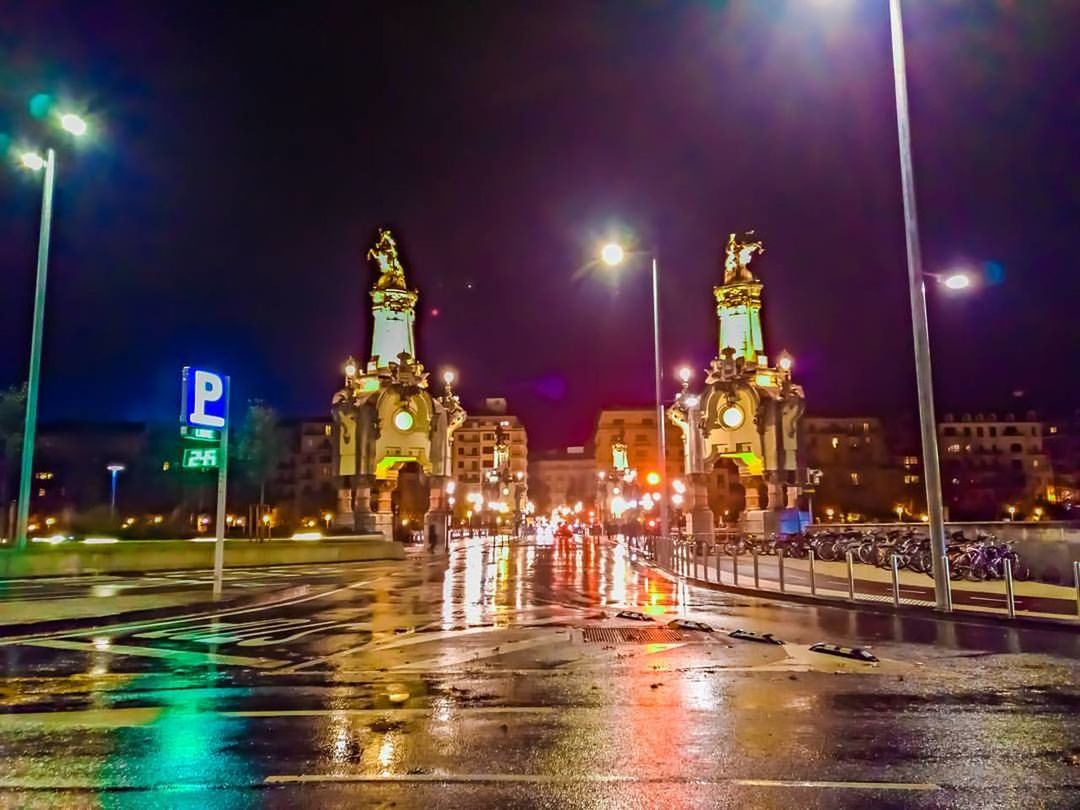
[(73, 124), (958, 281), (612, 254), (32, 161)]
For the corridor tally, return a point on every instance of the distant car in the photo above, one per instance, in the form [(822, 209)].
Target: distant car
[(564, 532)]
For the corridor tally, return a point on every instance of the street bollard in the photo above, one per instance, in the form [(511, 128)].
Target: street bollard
[(735, 568), (813, 583), (757, 582), (719, 581), (896, 580), (1076, 582), (780, 567), (948, 580), (1010, 594), (850, 575)]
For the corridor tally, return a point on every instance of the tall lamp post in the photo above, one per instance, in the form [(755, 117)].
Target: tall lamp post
[(921, 333), (35, 162), (612, 254)]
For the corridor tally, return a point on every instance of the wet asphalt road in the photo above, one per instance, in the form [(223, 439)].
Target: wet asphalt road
[(498, 676)]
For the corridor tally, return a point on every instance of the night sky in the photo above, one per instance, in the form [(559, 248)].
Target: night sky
[(246, 153)]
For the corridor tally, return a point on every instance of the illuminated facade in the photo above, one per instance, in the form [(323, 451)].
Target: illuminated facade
[(748, 412), (491, 465), (384, 417)]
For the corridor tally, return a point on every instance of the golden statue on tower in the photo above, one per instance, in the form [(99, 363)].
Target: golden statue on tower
[(739, 255), (385, 253)]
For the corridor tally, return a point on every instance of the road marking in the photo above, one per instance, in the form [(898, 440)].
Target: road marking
[(258, 633), (407, 640), (124, 629), (434, 712), (282, 779), (95, 784), (817, 783), (90, 718), (129, 717), (180, 656), (439, 662)]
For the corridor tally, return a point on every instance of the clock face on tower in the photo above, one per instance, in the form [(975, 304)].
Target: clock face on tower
[(732, 417), (403, 420)]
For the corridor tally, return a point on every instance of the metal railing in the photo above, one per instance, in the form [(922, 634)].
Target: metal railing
[(716, 561)]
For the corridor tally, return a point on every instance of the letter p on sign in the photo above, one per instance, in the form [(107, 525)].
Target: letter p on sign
[(205, 398)]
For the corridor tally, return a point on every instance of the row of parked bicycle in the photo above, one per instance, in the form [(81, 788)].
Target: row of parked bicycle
[(979, 558)]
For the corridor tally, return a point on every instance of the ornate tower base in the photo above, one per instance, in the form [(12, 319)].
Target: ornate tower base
[(700, 520), (437, 519)]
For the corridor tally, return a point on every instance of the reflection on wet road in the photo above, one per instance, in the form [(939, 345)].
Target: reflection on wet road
[(498, 675)]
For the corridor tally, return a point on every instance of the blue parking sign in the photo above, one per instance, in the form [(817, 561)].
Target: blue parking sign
[(204, 398)]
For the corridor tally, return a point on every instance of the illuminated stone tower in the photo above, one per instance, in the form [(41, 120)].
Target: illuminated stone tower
[(748, 412), (393, 307), (738, 302), (385, 417)]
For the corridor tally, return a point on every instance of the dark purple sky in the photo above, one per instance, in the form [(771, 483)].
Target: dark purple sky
[(248, 151)]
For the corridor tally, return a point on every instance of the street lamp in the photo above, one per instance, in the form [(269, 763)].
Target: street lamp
[(35, 162), (114, 469), (1012, 512), (612, 254), (957, 281), (920, 329)]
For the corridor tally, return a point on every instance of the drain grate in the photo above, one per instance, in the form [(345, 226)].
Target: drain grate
[(632, 635)]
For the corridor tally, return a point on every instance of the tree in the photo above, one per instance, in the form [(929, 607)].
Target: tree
[(12, 415), (261, 447)]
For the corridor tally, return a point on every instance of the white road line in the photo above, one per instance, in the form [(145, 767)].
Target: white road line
[(123, 629), (181, 656), (818, 783), (433, 712), (90, 718), (439, 662), (407, 640), (145, 715), (282, 779)]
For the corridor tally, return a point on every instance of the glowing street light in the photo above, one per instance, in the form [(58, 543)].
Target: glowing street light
[(1012, 512), (957, 281), (114, 469), (32, 161), (786, 362), (612, 254), (73, 124), (685, 374), (35, 162)]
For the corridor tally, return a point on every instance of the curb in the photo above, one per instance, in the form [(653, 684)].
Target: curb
[(920, 611)]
